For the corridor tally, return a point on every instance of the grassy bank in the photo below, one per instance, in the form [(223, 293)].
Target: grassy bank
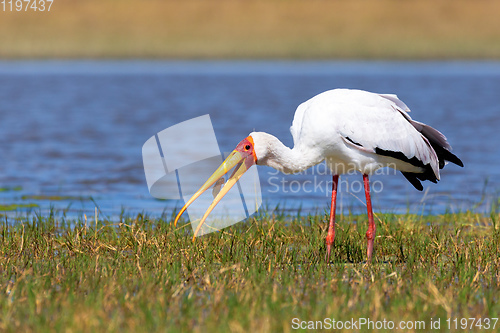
[(367, 29), (144, 275)]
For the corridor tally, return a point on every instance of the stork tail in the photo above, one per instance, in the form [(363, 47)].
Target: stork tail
[(442, 148)]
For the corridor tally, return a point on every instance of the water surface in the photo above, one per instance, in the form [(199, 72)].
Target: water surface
[(76, 128)]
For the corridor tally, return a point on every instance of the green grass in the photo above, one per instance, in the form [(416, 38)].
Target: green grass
[(144, 275)]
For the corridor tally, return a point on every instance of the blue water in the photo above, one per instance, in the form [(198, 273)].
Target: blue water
[(76, 128)]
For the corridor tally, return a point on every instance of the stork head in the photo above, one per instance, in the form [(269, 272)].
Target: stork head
[(241, 159)]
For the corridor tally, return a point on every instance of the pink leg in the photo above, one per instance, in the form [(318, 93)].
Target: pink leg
[(370, 234), (331, 228)]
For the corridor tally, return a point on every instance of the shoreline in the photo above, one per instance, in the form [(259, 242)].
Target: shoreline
[(254, 29)]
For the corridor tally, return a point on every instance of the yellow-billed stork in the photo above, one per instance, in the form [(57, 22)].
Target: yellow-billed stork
[(352, 130)]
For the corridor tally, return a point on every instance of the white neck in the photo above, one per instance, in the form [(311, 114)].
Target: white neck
[(272, 152)]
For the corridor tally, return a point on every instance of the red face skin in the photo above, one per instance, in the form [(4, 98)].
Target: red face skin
[(245, 148)]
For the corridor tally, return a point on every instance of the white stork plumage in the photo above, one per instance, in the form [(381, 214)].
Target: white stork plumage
[(353, 130)]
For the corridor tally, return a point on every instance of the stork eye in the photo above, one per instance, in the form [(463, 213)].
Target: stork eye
[(247, 147)]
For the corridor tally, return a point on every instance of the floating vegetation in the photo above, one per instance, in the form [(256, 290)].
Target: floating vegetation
[(53, 197), (9, 207), (8, 189)]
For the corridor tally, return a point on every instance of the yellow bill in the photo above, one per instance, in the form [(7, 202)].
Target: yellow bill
[(241, 159)]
